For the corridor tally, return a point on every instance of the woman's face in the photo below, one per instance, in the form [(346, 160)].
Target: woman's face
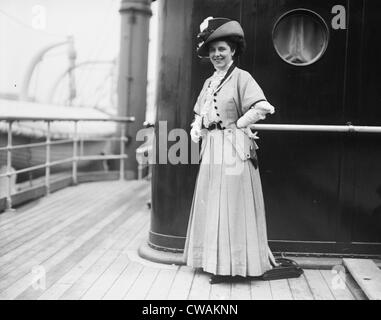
[(220, 54)]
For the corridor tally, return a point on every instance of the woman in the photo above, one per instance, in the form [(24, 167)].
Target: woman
[(227, 227)]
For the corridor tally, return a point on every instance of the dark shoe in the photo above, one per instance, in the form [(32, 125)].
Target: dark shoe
[(219, 279), (287, 268), (255, 278)]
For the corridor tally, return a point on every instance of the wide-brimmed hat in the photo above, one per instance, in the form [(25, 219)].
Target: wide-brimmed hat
[(214, 28)]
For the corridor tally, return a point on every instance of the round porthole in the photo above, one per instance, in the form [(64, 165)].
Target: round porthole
[(300, 37)]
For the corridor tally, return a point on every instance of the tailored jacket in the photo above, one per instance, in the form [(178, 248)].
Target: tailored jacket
[(231, 99)]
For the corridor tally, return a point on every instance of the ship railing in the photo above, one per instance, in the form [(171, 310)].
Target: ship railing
[(76, 139), (146, 148), (347, 128), (144, 152)]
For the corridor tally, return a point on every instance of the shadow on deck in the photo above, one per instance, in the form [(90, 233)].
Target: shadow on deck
[(81, 243)]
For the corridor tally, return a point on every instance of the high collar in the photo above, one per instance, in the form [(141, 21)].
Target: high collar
[(226, 77), (223, 72)]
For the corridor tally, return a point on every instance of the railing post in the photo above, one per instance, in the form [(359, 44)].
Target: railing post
[(75, 152), (122, 148), (9, 168), (81, 147), (47, 158), (140, 171)]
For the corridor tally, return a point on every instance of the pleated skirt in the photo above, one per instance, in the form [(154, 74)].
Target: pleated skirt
[(227, 232)]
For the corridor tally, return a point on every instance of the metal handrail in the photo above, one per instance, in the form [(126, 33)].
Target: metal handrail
[(41, 144), (317, 128), (110, 119), (75, 139), (22, 146)]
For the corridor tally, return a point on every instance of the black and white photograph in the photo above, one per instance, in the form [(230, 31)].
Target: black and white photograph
[(190, 154)]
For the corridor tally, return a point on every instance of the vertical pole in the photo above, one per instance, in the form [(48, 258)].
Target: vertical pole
[(173, 185), (81, 147), (9, 168), (122, 149), (75, 153), (140, 171), (132, 81), (47, 158)]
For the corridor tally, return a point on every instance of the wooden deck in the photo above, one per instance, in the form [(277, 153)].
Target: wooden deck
[(81, 243)]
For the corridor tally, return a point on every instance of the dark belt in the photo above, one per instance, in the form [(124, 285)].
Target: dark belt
[(214, 125)]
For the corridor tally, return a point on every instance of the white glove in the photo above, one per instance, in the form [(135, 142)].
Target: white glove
[(258, 112), (195, 134), (196, 131)]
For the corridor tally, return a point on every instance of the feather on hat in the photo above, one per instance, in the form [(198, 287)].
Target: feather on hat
[(214, 28)]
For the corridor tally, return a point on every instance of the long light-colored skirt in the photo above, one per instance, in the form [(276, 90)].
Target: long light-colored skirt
[(227, 225)]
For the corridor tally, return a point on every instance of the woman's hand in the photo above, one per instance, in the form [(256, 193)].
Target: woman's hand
[(250, 133), (195, 134), (196, 131)]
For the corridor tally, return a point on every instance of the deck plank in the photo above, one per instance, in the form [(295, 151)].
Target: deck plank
[(61, 212), (92, 274), (22, 213), (83, 209), (241, 290), (57, 272), (220, 291), (108, 266), (124, 282), (260, 290), (182, 284), (19, 214), (200, 286), (66, 281), (162, 284), (21, 260), (110, 220), (300, 289), (43, 212), (50, 246), (367, 275), (318, 286), (101, 286), (87, 241), (337, 285), (142, 285), (353, 287), (280, 290), (34, 215)]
